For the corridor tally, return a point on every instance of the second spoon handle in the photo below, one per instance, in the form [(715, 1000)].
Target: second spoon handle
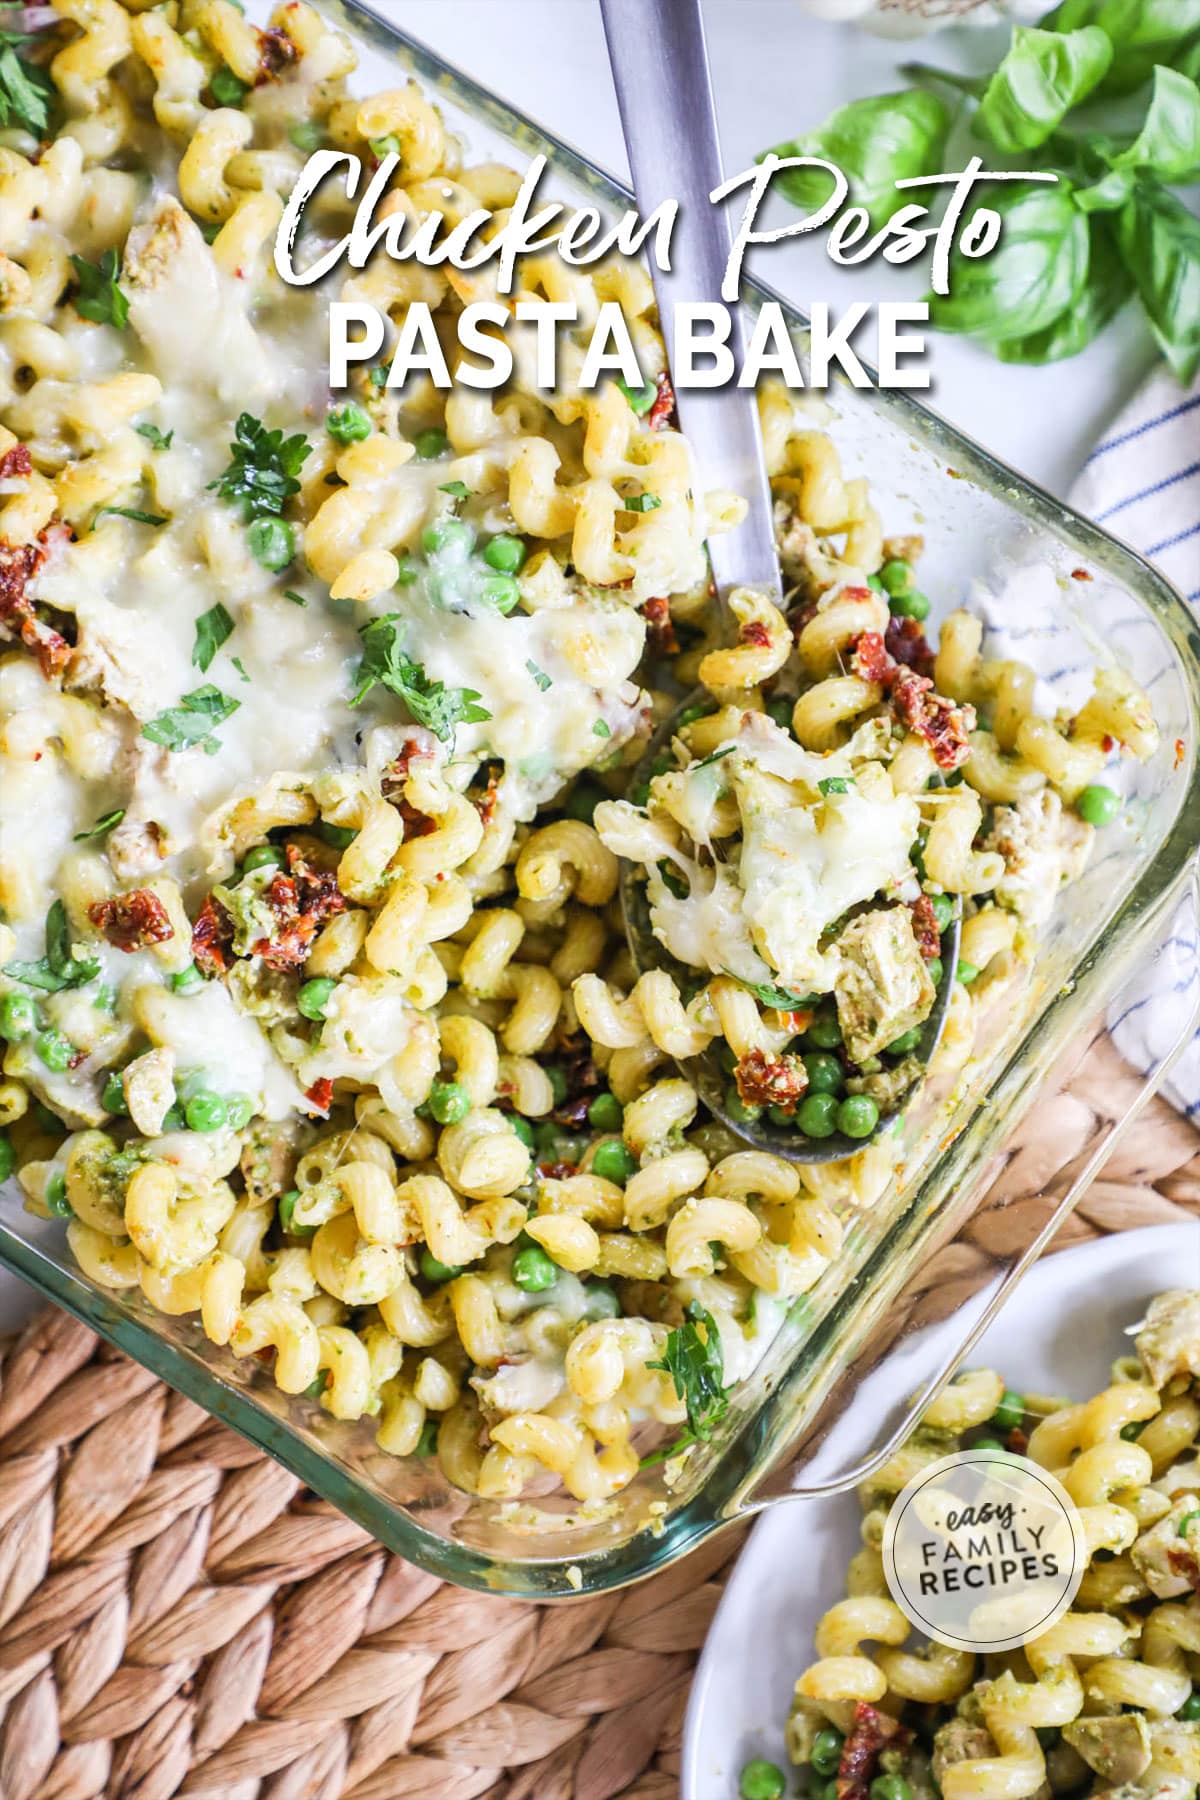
[(660, 68)]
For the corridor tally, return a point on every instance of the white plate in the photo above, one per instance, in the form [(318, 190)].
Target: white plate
[(1059, 1334)]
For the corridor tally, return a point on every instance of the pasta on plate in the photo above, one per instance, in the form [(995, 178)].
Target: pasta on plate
[(1105, 1704), (318, 1027)]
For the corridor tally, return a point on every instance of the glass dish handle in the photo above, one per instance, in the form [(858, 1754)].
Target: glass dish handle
[(1120, 1050)]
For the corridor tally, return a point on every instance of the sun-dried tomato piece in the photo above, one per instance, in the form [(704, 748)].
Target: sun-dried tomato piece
[(764, 1080), (945, 725), (130, 921), (870, 658), (485, 804), (276, 52), (419, 746), (925, 928), (16, 461), (416, 824), (907, 643), (755, 631), (557, 1171), (660, 630), (19, 563), (212, 935), (662, 410), (871, 1732), (300, 902), (320, 1096)]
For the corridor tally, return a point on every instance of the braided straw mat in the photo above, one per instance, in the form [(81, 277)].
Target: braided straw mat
[(178, 1616)]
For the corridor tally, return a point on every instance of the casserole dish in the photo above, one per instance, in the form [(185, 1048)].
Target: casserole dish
[(1093, 600)]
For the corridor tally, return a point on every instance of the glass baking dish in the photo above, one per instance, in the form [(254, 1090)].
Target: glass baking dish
[(972, 1135)]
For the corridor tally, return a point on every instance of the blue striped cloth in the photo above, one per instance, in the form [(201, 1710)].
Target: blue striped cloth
[(1142, 483)]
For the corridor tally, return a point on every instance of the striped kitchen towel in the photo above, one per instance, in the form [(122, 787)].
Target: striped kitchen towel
[(1142, 483)]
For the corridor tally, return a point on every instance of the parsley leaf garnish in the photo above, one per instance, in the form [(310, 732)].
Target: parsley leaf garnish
[(459, 489), (240, 666), (694, 1361), (780, 998), (261, 476), (835, 784), (641, 503), (60, 967), (716, 755), (431, 703), (158, 440), (540, 676), (102, 827), (127, 512), (192, 722), (212, 628), (295, 598), (99, 298), (601, 729), (25, 90)]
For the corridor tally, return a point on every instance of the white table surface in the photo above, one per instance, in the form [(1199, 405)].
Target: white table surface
[(778, 72)]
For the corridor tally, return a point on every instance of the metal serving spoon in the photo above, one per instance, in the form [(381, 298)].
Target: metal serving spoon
[(664, 92)]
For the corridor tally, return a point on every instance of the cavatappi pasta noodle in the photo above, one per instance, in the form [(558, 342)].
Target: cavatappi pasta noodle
[(1105, 1704), (317, 1023)]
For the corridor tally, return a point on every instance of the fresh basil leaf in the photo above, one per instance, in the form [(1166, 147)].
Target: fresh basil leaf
[(1107, 195), (212, 628), (431, 703), (875, 142), (1106, 290), (158, 440), (1044, 75), (1159, 241), (102, 827), (192, 722), (127, 512), (1037, 270), (1143, 33), (99, 298), (1168, 145)]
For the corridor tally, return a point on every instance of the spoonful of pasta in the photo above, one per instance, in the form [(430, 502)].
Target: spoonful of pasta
[(788, 953)]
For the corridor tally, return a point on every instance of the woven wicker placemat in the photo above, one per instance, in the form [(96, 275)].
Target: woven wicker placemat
[(178, 1616)]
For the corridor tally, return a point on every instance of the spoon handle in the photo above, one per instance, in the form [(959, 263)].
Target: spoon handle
[(660, 68)]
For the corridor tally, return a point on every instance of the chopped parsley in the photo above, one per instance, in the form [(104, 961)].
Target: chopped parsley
[(212, 628), (716, 756), (836, 784), (158, 440), (261, 476), (102, 827), (240, 667), (99, 298), (540, 676), (640, 503), (25, 89), (295, 598), (459, 489), (694, 1361), (127, 512), (61, 967), (780, 998), (192, 723), (601, 730), (641, 399), (431, 703)]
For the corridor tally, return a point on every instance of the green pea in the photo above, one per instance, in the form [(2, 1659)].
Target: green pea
[(524, 1131), (1010, 1412), (614, 1161), (736, 1107), (287, 1210), (272, 543), (533, 1270), (338, 837), (500, 592), (906, 1043), (785, 1120), (825, 1072), (966, 972), (348, 424), (385, 146), (504, 553), (583, 800), (1098, 805), (600, 1300), (18, 1016), (187, 981), (55, 1050), (935, 969), (8, 1158), (449, 537), (912, 605), (314, 996), (239, 1110), (1191, 1706), (449, 1102), (761, 1780), (817, 1115), (317, 1385), (896, 576), (824, 1033), (205, 1111), (427, 1442), (56, 1196), (606, 1113), (431, 443), (433, 1270), (112, 1099), (559, 1085), (226, 89), (943, 910), (407, 572), (827, 1751), (263, 856), (1133, 1431), (890, 1787), (987, 1443), (307, 135), (858, 1115), (1185, 1523), (876, 586)]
